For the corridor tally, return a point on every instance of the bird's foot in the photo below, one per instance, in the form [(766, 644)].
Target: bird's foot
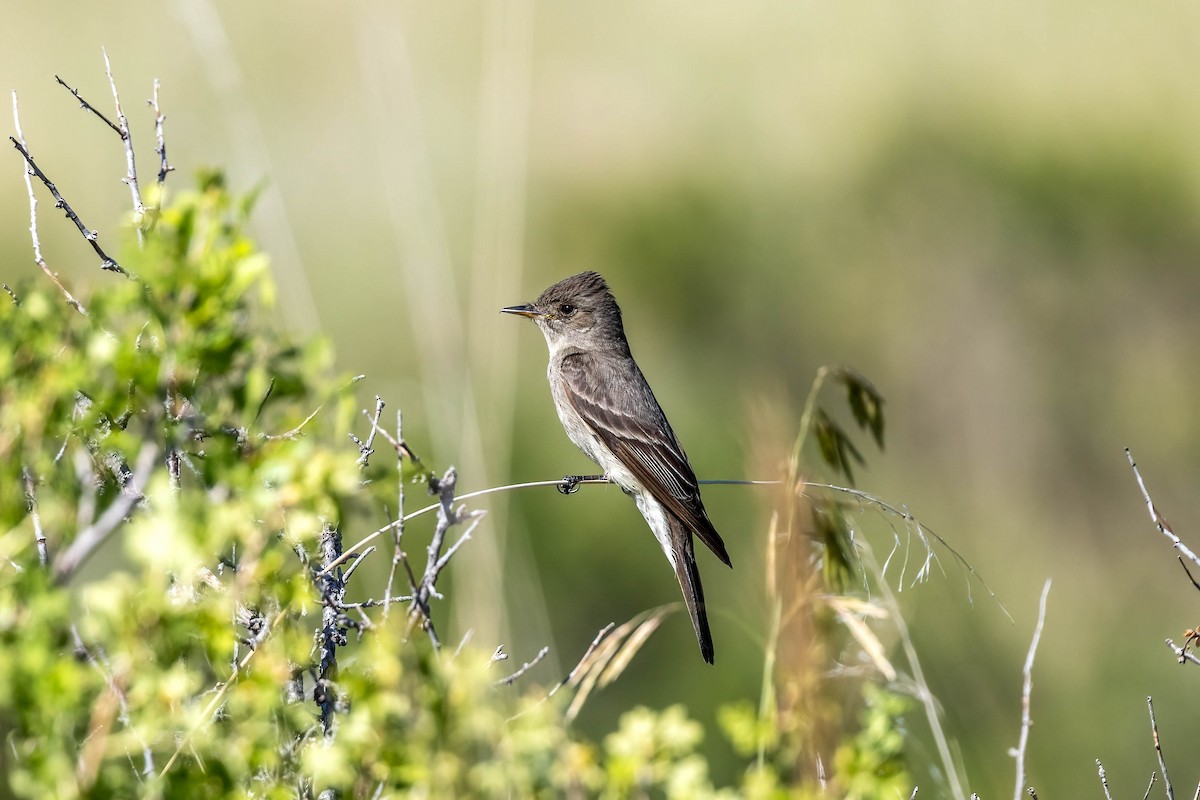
[(570, 483)]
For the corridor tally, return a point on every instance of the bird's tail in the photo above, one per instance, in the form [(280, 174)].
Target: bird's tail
[(693, 593)]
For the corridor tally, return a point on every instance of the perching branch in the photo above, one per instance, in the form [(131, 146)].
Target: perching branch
[(399, 522)]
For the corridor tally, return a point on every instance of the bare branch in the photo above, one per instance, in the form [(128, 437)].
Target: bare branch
[(476, 517), (139, 208), (1150, 785), (528, 665), (32, 505), (1182, 653), (1159, 521), (95, 534), (106, 262), (161, 148), (295, 432), (33, 226), (1162, 764), (447, 516), (1026, 691), (354, 565), (1188, 572), (397, 553), (86, 106), (397, 442), (332, 633), (404, 598), (1103, 780), (365, 450)]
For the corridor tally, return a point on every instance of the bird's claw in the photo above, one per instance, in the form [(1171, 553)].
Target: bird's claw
[(570, 483)]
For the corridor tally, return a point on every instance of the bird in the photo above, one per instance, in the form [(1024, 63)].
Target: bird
[(610, 413)]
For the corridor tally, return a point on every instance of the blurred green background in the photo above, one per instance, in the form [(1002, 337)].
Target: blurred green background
[(992, 212)]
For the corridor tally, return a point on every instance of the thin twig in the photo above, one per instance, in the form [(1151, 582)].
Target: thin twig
[(1026, 691), (1182, 652), (1159, 521), (1162, 764), (399, 521), (528, 665), (33, 226), (86, 106), (476, 517), (365, 449), (398, 539), (397, 442), (139, 208), (295, 432), (355, 564), (1188, 572), (32, 505), (1149, 786), (447, 516), (106, 262), (161, 147), (403, 598), (1103, 780), (95, 534)]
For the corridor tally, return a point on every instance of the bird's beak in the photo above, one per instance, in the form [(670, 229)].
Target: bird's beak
[(526, 310)]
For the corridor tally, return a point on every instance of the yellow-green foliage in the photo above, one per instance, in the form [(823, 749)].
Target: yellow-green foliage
[(181, 662)]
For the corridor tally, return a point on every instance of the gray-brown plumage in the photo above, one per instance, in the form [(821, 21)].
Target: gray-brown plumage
[(610, 413)]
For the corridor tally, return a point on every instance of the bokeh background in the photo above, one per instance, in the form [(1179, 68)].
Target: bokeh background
[(992, 212)]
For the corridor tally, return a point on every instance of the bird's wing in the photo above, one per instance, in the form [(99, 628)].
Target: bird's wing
[(633, 427)]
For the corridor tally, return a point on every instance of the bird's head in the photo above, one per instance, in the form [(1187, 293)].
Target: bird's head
[(578, 312)]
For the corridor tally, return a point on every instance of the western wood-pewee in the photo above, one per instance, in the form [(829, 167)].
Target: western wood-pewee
[(610, 413)]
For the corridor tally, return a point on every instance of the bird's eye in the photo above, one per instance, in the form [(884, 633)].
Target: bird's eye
[(566, 309)]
